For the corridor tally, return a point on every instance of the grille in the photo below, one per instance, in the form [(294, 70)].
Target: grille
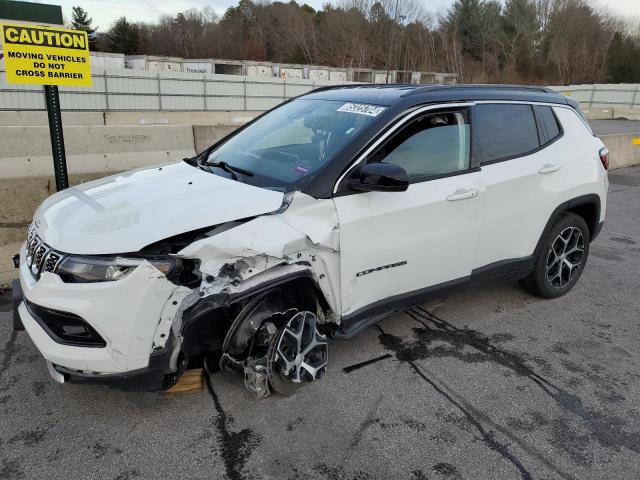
[(40, 257)]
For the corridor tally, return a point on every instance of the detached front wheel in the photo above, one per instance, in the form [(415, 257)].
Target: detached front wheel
[(298, 354), (561, 259)]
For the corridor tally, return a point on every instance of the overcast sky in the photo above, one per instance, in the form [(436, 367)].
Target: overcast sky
[(104, 12)]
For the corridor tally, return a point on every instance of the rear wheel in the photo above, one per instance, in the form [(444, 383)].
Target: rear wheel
[(561, 259)]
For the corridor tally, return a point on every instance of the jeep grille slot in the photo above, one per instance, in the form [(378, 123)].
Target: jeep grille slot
[(52, 262), (40, 257)]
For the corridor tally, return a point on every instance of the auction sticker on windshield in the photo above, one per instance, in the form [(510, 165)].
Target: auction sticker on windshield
[(46, 56), (362, 109)]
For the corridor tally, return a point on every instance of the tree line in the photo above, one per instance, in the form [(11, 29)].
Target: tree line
[(552, 42)]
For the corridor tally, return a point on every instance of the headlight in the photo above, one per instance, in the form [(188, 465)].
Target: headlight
[(103, 269)]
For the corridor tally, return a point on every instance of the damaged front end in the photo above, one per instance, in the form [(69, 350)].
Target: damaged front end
[(265, 298)]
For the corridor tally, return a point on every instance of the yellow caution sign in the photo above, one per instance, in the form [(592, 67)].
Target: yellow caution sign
[(636, 141), (46, 55)]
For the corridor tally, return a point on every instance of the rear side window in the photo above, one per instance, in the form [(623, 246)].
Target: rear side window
[(549, 123), (505, 130)]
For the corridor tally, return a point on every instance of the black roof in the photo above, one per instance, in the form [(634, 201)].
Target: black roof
[(389, 94)]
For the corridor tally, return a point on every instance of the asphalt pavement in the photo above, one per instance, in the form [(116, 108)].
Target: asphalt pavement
[(487, 383)]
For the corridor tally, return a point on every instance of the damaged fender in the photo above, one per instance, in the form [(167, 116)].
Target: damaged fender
[(245, 256), (252, 259)]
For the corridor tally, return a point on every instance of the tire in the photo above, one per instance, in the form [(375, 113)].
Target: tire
[(561, 259)]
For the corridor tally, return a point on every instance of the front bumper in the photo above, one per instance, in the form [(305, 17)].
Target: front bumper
[(133, 315), (155, 376)]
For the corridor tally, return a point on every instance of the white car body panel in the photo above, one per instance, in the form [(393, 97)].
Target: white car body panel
[(126, 212), (511, 229), (435, 237), (581, 160)]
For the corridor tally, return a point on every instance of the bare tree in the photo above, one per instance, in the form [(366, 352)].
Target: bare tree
[(531, 41)]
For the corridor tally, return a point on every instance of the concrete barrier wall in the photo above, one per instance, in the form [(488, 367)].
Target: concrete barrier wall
[(624, 149), (25, 118), (206, 135), (26, 151), (11, 118), (179, 118), (598, 113), (627, 113)]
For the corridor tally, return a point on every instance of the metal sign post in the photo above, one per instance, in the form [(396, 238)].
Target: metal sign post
[(57, 137), (48, 56)]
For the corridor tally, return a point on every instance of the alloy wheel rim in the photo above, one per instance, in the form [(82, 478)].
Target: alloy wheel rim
[(565, 257), (301, 351)]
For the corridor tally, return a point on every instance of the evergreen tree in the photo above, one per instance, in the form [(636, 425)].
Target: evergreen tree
[(522, 30), (622, 60), (465, 20), (124, 37), (80, 21)]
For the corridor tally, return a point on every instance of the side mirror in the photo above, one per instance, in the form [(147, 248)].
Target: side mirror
[(380, 177)]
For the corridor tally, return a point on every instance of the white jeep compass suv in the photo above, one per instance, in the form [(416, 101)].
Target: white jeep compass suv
[(316, 220)]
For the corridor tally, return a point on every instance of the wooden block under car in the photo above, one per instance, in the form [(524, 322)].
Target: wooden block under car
[(190, 382)]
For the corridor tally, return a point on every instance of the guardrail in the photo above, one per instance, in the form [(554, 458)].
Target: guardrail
[(603, 95), (140, 90)]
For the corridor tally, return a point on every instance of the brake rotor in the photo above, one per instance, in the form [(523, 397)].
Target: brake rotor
[(297, 354)]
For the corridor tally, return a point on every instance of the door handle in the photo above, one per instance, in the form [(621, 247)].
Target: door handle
[(462, 194), (550, 168)]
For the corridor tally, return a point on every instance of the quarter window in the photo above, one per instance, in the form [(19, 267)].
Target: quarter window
[(549, 122), (429, 146), (505, 130)]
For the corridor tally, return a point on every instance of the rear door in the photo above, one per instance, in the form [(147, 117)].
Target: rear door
[(522, 169), (395, 245)]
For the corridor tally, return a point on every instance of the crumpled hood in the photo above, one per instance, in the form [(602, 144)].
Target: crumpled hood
[(126, 212)]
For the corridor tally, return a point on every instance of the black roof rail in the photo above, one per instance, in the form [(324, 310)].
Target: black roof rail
[(389, 94), (326, 87), (416, 89), (480, 86), (365, 85)]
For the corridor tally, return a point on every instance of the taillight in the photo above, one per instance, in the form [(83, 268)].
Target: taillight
[(604, 158)]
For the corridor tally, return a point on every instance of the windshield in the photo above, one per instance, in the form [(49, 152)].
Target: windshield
[(285, 148)]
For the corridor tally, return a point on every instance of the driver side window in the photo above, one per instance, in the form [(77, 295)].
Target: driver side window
[(431, 145)]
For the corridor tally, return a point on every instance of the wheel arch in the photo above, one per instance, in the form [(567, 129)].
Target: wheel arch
[(585, 206), (300, 292), (229, 324)]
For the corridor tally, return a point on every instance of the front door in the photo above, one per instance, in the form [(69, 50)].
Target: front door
[(395, 245)]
